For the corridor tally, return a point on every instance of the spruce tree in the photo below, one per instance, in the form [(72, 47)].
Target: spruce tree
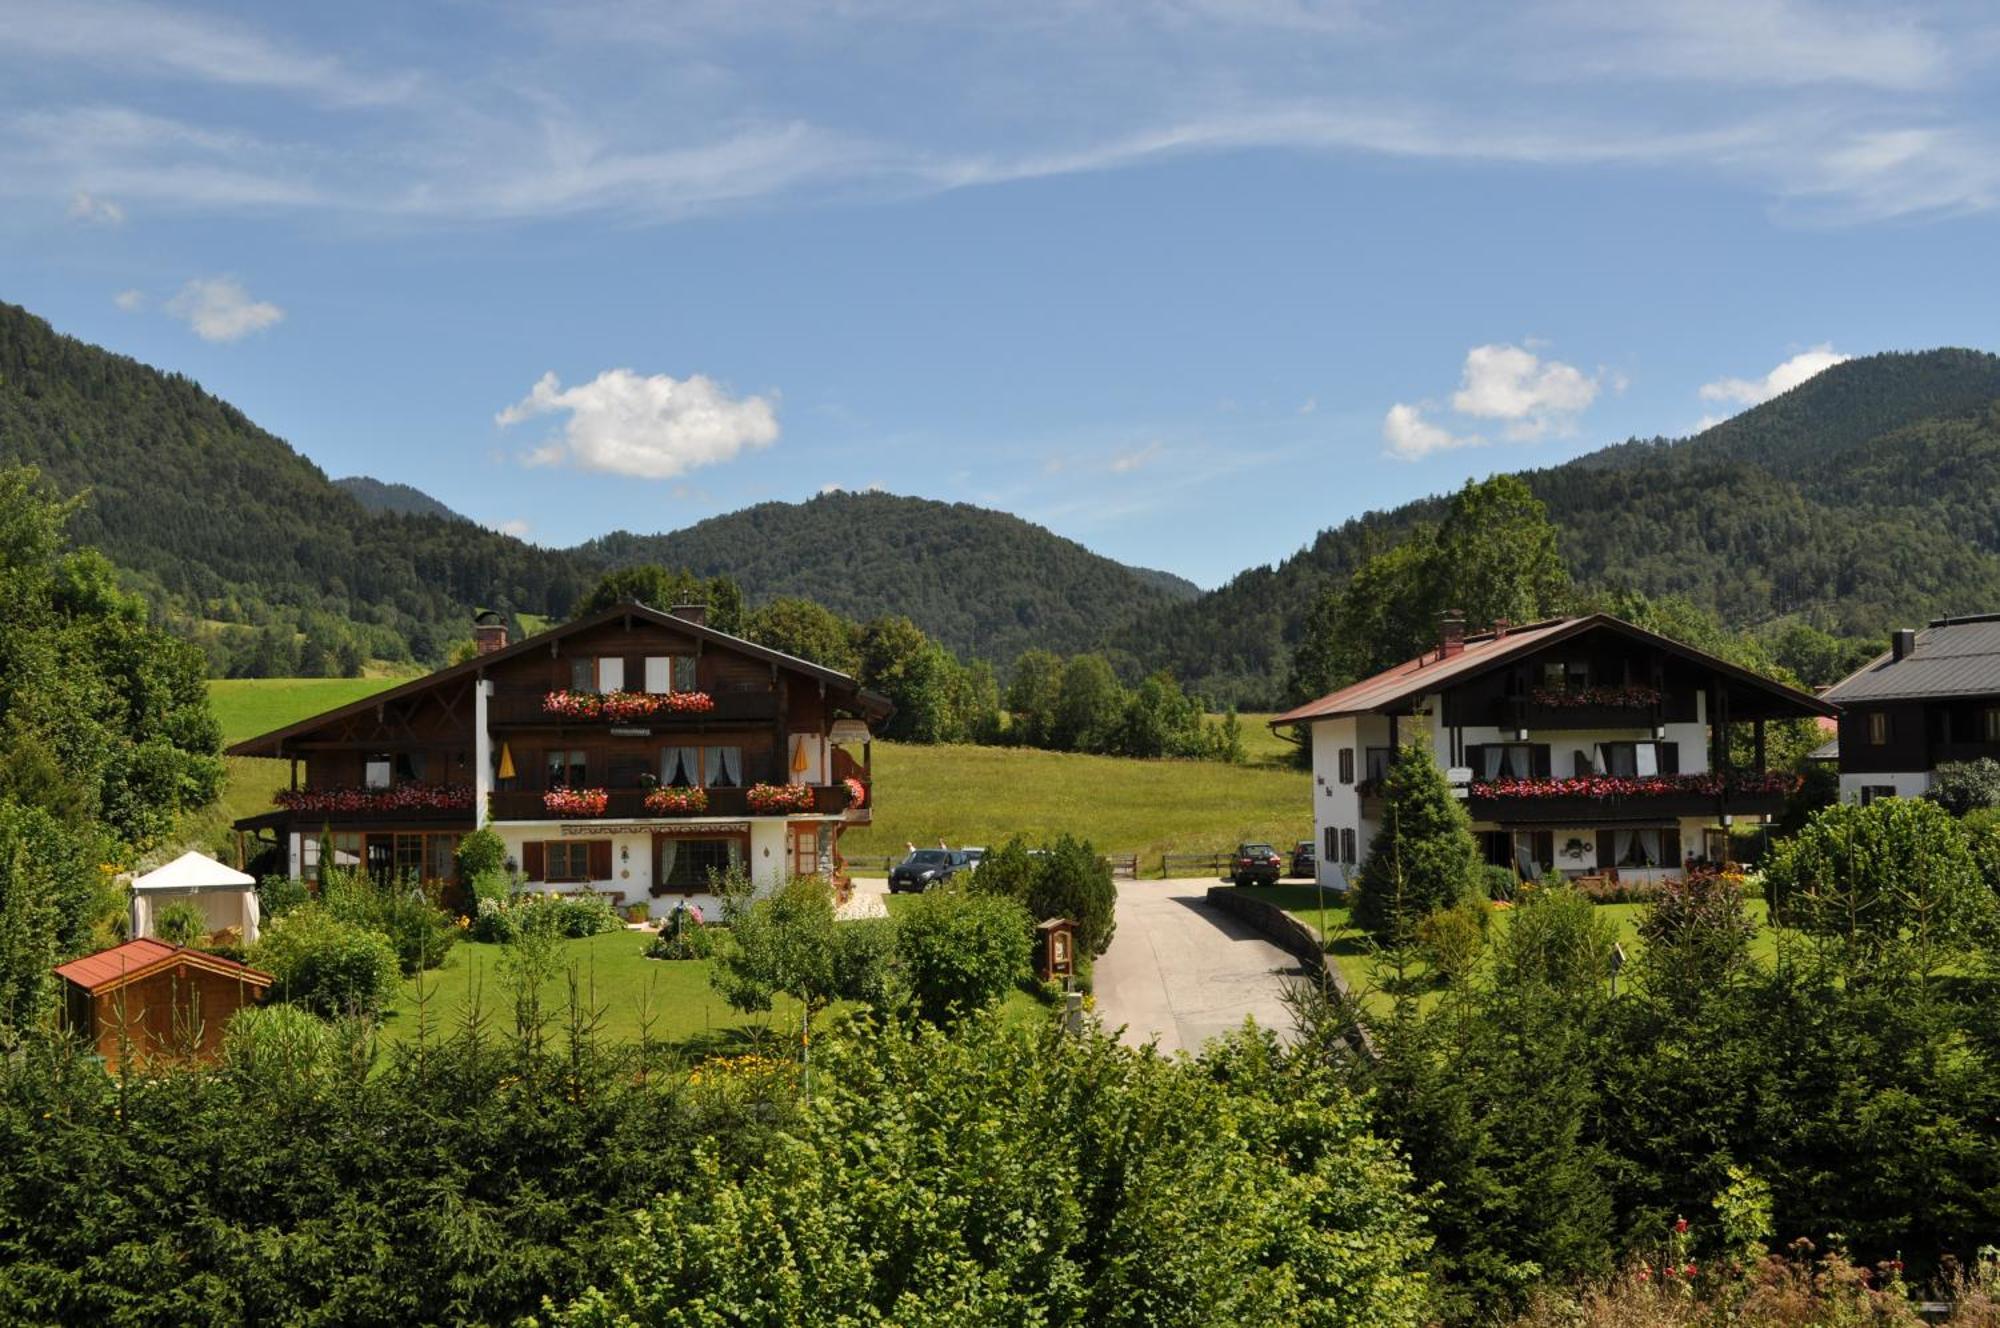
[(1424, 857)]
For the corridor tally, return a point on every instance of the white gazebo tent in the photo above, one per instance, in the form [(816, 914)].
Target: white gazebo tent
[(225, 896)]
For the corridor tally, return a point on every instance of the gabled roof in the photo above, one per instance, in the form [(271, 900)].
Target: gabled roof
[(869, 703), (1413, 678), (194, 871), (109, 969), (1952, 657)]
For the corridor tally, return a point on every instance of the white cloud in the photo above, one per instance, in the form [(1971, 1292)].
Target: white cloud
[(1750, 391), (1136, 459), (219, 309), (88, 207), (1309, 405), (1781, 43), (1410, 436), (1514, 384), (131, 301), (652, 426), (517, 526)]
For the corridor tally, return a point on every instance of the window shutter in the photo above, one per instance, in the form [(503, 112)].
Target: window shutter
[(531, 862), (600, 859), (1607, 849), (1670, 848), (1670, 758), (1540, 758)]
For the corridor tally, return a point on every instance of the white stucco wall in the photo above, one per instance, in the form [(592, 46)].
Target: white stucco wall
[(632, 861), (1908, 784)]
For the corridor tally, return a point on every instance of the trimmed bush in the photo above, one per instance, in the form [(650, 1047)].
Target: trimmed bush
[(327, 965), (278, 895), (504, 919), (404, 911), (481, 853), (961, 952)]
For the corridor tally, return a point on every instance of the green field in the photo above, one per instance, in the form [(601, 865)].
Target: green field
[(985, 795), (962, 794), (1355, 957), (250, 706)]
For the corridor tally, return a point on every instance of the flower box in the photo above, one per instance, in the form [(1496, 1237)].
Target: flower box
[(1713, 784), (857, 792), (771, 799), (577, 802), (1633, 697), (620, 707), (677, 801), (397, 798)]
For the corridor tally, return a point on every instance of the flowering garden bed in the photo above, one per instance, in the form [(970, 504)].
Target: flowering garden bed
[(398, 798), (577, 802), (620, 706), (769, 799)]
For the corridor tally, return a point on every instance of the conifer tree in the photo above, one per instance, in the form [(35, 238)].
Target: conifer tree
[(1423, 859)]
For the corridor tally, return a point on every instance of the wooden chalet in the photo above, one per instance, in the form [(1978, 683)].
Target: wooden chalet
[(1931, 699), (1584, 745), (630, 752)]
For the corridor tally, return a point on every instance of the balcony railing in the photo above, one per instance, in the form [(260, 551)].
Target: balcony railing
[(629, 804), (397, 805), (521, 707)]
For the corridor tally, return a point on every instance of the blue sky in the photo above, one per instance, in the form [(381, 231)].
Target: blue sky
[(1187, 281)]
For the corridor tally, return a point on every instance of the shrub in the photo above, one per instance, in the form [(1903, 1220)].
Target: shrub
[(326, 964), (682, 936), (1966, 786), (502, 919), (1454, 938), (961, 952), (790, 942), (1074, 882), (278, 895), (402, 910), (181, 923), (481, 853), (1556, 939), (283, 1050), (1501, 882)]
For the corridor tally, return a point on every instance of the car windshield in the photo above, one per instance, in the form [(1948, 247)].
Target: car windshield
[(1252, 850), (928, 857)]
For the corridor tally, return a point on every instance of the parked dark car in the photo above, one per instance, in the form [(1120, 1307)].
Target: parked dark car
[(924, 869), (1305, 859), (1256, 864)]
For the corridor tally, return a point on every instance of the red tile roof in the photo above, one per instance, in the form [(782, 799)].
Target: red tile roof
[(110, 968)]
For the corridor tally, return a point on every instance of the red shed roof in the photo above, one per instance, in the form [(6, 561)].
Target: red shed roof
[(136, 959)]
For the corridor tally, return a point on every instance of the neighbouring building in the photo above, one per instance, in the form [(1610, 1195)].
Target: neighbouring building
[(630, 752), (149, 999), (1583, 745), (1932, 698)]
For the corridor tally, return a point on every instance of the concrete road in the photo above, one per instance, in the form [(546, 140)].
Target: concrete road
[(1179, 972)]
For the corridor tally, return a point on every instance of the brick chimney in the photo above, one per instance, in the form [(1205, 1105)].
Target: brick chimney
[(1902, 642), (489, 633), (1451, 633), (694, 613)]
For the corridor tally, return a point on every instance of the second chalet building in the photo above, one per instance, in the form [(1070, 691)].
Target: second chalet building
[(630, 752), (1583, 745)]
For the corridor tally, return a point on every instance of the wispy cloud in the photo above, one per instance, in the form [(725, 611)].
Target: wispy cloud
[(1742, 392), (100, 211), (1408, 436), (219, 309)]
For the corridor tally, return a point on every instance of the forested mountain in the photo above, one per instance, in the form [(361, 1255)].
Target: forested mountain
[(394, 499), (1860, 500), (246, 546), (980, 582)]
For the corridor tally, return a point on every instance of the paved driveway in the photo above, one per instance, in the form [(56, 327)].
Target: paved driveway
[(1180, 972)]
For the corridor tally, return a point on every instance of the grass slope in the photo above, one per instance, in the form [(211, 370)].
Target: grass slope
[(250, 706)]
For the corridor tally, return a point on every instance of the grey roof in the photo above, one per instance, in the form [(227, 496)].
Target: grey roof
[(1953, 657)]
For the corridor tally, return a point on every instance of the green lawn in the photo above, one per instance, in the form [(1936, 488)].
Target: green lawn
[(1261, 745), (1354, 955), (613, 976), (985, 795), (250, 706)]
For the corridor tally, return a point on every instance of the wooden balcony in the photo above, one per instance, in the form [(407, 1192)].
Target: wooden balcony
[(629, 804), (1571, 802), (518, 708)]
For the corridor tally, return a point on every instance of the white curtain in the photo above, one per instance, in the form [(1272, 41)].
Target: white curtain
[(1524, 856), (1646, 759), (659, 675), (1495, 758), (669, 850), (680, 766), (722, 767), (1622, 847)]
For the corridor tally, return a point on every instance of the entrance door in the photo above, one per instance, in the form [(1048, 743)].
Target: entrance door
[(805, 850)]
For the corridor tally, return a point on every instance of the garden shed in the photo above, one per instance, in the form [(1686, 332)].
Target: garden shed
[(153, 998), (226, 897)]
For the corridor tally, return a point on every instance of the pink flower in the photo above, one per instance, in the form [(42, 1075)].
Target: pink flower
[(1680, 1226)]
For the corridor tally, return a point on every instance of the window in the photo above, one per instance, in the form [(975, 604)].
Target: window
[(1631, 759), (1989, 724), (409, 767), (409, 857), (722, 767), (567, 769), (1638, 848), (684, 673), (1878, 728), (1347, 847), (377, 771), (440, 857), (566, 860), (583, 675), (1558, 675), (610, 673), (1347, 765), (670, 673), (1506, 760), (1378, 761), (687, 864)]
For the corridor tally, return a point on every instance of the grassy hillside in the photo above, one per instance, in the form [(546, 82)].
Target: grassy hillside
[(250, 706)]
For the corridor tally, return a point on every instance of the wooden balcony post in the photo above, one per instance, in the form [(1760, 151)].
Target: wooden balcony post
[(1757, 731)]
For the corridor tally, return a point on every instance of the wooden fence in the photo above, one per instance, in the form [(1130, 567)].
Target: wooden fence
[(1126, 866), (1195, 864)]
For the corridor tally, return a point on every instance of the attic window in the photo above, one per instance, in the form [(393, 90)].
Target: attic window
[(377, 772), (1878, 728)]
